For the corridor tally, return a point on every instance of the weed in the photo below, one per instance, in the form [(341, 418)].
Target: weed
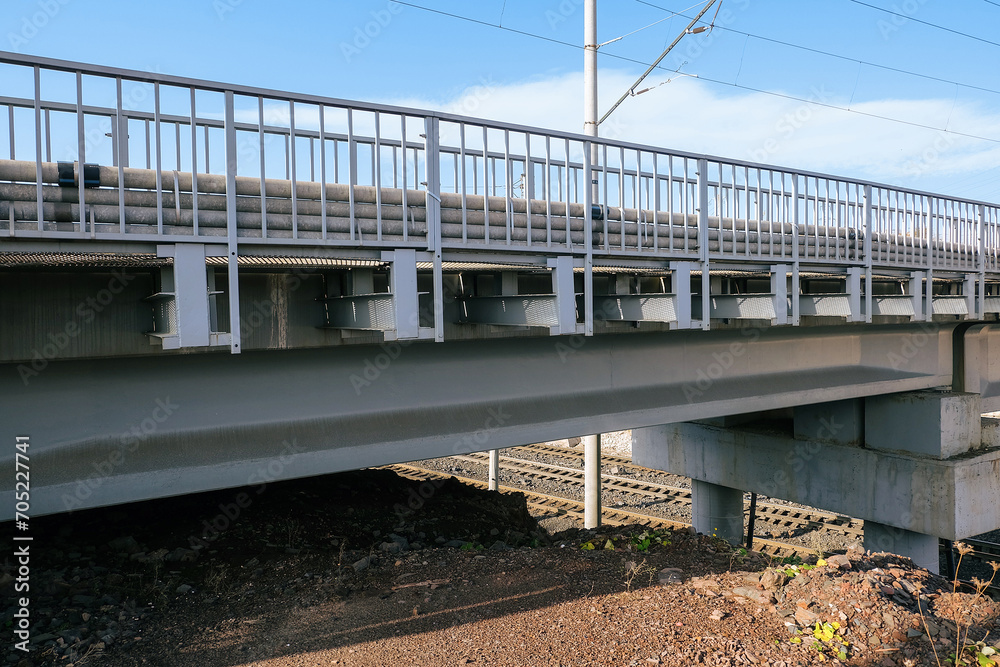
[(965, 653), (633, 570)]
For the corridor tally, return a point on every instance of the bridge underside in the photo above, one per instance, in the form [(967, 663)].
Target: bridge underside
[(109, 431)]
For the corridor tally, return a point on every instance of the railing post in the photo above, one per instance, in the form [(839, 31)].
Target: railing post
[(868, 252), (706, 283), (796, 301), (232, 257), (931, 243), (432, 157), (981, 300), (38, 151), (588, 238)]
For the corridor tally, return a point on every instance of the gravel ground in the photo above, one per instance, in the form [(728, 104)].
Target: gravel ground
[(368, 568)]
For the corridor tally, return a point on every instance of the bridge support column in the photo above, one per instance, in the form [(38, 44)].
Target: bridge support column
[(921, 548), (493, 477), (591, 481), (912, 465), (717, 510)]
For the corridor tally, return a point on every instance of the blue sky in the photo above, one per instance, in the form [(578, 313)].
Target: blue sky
[(750, 100)]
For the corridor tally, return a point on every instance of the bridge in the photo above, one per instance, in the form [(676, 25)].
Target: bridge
[(208, 285)]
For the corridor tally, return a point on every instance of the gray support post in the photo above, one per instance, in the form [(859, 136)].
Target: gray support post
[(796, 287), (232, 258), (706, 284), (403, 279), (854, 293), (494, 470), (680, 278), (717, 510), (588, 238), (917, 294), (508, 283), (922, 549), (591, 481), (432, 200), (981, 300), (779, 288), (868, 253), (929, 297), (969, 292), (191, 295), (565, 289)]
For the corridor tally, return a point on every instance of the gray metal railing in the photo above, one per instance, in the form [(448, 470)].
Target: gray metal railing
[(185, 160)]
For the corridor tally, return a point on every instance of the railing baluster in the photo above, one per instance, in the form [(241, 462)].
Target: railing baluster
[(38, 151), (263, 168), (293, 172), (194, 166), (81, 141)]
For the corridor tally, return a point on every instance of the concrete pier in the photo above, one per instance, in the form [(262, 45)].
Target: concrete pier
[(913, 466), (717, 510)]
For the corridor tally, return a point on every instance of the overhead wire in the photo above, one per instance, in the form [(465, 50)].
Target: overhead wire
[(704, 78), (840, 56), (927, 23)]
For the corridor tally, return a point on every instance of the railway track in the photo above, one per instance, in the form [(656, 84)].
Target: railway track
[(557, 506), (780, 516)]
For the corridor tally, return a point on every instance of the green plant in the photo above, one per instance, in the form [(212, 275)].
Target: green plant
[(472, 546), (648, 538)]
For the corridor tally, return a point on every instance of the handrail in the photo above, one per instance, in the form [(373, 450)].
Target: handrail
[(278, 95)]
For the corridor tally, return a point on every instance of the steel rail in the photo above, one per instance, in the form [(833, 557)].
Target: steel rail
[(781, 516), (557, 506)]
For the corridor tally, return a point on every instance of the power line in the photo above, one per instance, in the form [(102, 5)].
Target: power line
[(842, 57), (997, 4), (927, 23), (704, 78)]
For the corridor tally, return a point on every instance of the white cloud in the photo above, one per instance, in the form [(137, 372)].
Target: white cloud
[(689, 115)]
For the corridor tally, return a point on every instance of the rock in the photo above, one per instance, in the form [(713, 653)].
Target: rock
[(184, 588), (361, 565), (83, 599), (390, 547), (182, 555), (772, 580), (839, 561), (671, 575), (804, 617), (717, 615), (126, 545), (454, 544), (499, 546), (699, 582), (754, 594)]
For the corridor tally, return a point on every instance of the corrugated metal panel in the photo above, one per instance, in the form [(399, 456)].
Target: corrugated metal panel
[(950, 305), (901, 305), (825, 305)]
